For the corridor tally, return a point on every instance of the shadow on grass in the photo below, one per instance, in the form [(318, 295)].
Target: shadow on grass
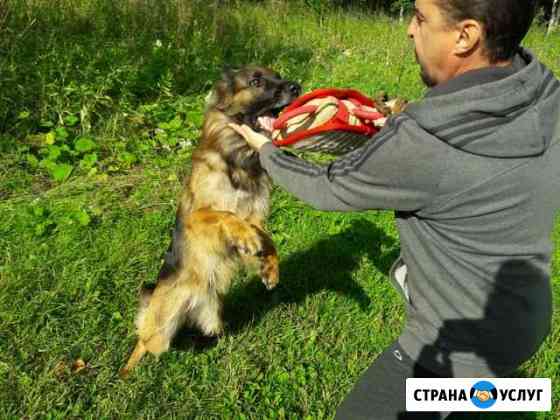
[(191, 339), (327, 265)]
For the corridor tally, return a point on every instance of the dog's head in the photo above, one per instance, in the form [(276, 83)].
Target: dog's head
[(251, 92)]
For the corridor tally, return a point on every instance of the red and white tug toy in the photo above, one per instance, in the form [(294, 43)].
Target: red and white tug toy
[(334, 121)]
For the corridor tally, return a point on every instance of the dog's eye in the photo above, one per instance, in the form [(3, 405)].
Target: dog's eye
[(256, 82)]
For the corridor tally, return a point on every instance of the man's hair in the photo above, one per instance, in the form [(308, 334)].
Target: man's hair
[(505, 22)]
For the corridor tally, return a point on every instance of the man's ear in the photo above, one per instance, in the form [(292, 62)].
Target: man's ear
[(469, 36)]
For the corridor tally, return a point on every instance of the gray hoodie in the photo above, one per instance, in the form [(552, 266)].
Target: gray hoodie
[(473, 172)]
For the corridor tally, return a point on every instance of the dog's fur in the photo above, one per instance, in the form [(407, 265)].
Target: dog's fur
[(220, 217)]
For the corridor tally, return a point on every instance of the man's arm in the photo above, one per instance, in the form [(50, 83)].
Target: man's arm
[(400, 168)]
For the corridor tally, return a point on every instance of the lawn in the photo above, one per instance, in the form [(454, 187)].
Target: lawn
[(100, 109)]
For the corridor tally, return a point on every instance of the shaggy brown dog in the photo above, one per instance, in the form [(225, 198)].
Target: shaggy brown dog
[(220, 217)]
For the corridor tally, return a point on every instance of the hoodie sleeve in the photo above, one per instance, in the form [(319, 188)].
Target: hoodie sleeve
[(400, 168)]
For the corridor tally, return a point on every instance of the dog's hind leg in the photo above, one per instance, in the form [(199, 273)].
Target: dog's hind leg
[(206, 314)]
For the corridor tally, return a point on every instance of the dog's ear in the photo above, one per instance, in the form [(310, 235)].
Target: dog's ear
[(221, 95), (228, 72)]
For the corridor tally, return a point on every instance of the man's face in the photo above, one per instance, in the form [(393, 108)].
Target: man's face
[(434, 41)]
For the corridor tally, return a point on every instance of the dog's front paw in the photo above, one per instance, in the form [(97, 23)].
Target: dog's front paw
[(248, 244), (247, 241), (269, 271)]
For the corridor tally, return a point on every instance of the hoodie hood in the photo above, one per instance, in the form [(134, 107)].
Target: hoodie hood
[(506, 112)]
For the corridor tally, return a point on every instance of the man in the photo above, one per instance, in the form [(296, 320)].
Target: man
[(473, 172)]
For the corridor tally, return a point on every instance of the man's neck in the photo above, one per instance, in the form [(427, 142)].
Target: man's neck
[(477, 75), (476, 61)]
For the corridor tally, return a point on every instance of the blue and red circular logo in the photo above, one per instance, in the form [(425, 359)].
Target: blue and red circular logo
[(483, 394)]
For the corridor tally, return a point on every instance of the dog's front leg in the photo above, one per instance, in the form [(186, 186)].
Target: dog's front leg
[(225, 233)]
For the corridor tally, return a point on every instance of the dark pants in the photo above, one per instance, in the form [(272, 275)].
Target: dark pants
[(380, 393)]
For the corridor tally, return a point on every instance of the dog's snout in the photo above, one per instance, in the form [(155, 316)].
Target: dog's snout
[(294, 88)]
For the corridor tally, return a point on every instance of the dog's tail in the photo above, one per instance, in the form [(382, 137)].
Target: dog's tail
[(137, 354)]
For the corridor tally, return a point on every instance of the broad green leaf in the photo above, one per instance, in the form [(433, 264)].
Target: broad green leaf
[(175, 123), (50, 137), (61, 133), (61, 172), (23, 115), (88, 160), (127, 158), (32, 160), (49, 164), (84, 144), (83, 218), (91, 158), (54, 152), (171, 140), (71, 120), (195, 117), (161, 136)]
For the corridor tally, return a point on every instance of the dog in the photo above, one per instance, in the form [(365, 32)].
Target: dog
[(219, 223)]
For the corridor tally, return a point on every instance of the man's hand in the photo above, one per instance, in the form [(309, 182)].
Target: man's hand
[(255, 140)]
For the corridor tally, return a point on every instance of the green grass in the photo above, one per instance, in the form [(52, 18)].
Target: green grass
[(74, 252)]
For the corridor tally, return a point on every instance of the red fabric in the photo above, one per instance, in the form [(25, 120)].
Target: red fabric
[(338, 122), (286, 115), (368, 115)]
